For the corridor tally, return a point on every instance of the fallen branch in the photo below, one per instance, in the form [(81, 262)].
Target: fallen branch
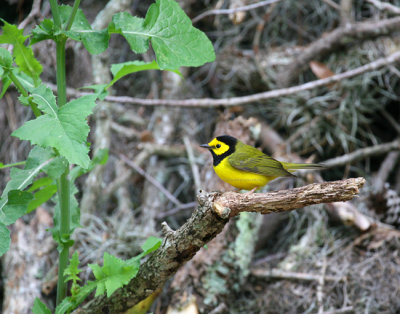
[(205, 223)]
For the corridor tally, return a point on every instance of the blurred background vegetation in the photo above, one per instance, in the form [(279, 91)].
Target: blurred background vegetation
[(336, 258)]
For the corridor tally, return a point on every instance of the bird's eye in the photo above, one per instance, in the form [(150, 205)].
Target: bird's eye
[(218, 146)]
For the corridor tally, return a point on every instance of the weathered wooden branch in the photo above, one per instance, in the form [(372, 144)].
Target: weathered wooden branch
[(207, 221)]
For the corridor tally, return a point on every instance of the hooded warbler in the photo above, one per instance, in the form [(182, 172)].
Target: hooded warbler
[(245, 167)]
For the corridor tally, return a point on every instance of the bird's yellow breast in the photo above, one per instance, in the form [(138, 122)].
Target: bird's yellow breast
[(239, 178)]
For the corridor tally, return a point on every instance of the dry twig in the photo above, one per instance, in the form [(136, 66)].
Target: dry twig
[(234, 10), (362, 153), (384, 6)]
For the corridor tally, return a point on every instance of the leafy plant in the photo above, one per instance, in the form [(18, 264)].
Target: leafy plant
[(59, 131)]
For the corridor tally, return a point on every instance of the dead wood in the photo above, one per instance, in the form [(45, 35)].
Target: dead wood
[(181, 245)]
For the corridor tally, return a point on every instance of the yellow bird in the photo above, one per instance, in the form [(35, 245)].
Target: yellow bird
[(245, 167)]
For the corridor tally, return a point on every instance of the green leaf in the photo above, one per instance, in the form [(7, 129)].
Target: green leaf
[(42, 196), (131, 27), (122, 69), (70, 303), (65, 129), (43, 31), (38, 160), (16, 206), (151, 244), (4, 239), (40, 308), (24, 57), (6, 59), (26, 81), (174, 39), (99, 90), (72, 271), (100, 158), (114, 274), (6, 84), (94, 41)]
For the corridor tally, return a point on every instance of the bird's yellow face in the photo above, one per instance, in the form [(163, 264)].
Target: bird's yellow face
[(218, 147)]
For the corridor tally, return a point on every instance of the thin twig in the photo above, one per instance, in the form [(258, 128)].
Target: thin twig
[(193, 165), (290, 275), (250, 99), (234, 10), (34, 12), (149, 178), (362, 153), (384, 6)]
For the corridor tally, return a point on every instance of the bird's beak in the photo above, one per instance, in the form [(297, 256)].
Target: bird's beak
[(206, 146)]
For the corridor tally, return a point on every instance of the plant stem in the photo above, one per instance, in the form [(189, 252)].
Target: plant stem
[(55, 12), (72, 16), (61, 80), (63, 184), (63, 199)]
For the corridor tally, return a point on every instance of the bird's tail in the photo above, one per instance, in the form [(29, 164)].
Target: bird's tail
[(293, 166)]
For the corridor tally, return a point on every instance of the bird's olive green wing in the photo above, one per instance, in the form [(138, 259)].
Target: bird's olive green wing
[(253, 160)]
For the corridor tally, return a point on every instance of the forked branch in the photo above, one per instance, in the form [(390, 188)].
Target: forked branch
[(206, 222)]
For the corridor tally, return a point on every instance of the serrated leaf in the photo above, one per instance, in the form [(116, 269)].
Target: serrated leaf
[(39, 307), (174, 40), (72, 271), (114, 274), (64, 128), (24, 57), (131, 27), (94, 41), (4, 239), (122, 69), (6, 59), (45, 30)]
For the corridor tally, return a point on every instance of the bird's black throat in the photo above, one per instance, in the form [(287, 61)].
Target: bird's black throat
[(228, 140)]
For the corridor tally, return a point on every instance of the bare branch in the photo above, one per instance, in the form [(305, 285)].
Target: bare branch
[(234, 10), (250, 99), (204, 224), (363, 153), (385, 6)]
